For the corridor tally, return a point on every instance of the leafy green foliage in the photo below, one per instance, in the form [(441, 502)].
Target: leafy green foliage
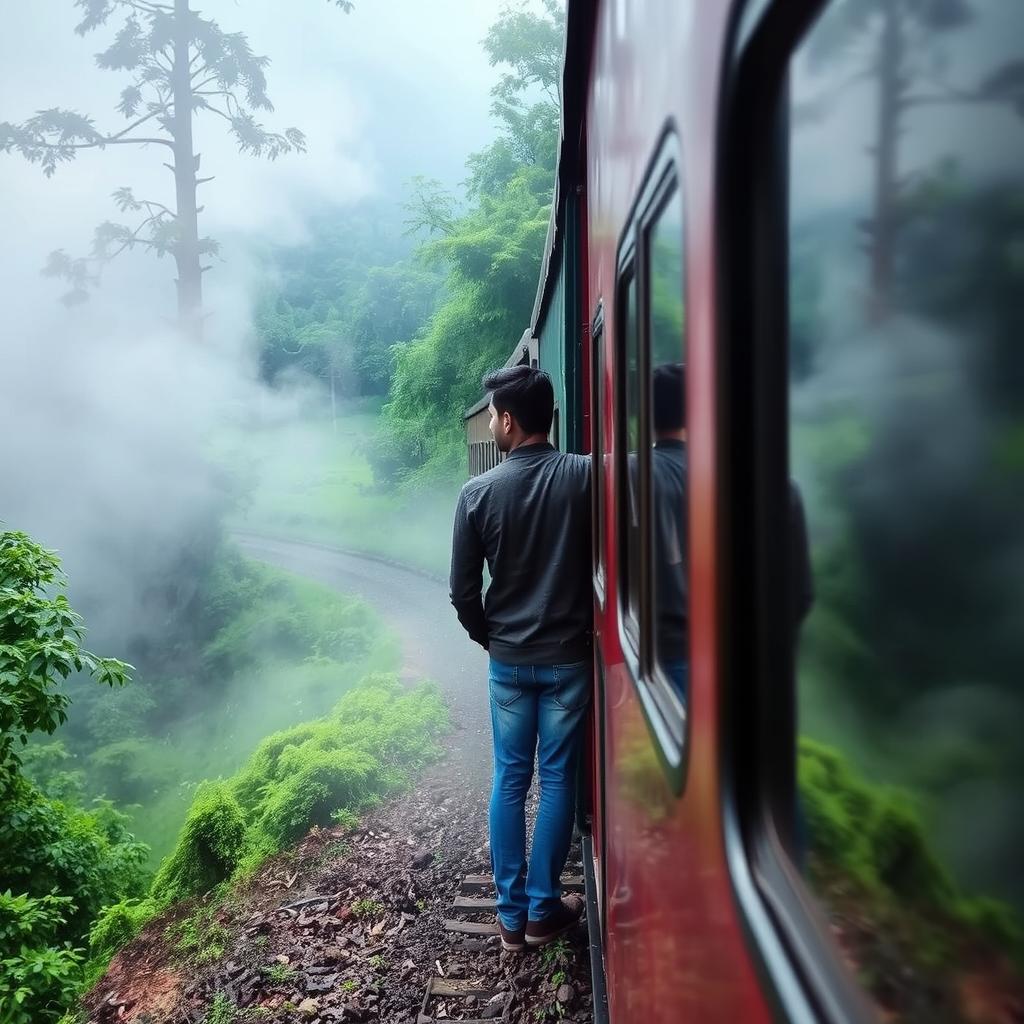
[(222, 1010), (59, 863), (117, 924), (369, 321), (376, 735), (492, 254), (201, 937), (307, 775), (40, 645), (48, 846), (345, 299), (494, 259), (526, 99), (210, 845), (39, 974), (280, 973), (869, 832), (367, 908)]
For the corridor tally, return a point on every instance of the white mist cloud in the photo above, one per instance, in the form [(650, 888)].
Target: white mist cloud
[(104, 411)]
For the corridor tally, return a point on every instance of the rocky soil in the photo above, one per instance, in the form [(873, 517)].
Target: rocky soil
[(349, 926)]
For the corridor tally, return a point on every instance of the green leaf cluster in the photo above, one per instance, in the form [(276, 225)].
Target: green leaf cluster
[(40, 646), (492, 254), (343, 300), (493, 257), (59, 863), (39, 974)]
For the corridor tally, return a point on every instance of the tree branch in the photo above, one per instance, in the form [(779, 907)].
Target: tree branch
[(141, 120), (220, 113), (149, 204), (149, 7)]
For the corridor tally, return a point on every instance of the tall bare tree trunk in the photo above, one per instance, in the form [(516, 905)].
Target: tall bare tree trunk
[(884, 223), (186, 249)]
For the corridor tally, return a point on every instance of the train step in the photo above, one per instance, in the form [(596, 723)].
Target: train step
[(570, 883), (439, 989), (471, 902)]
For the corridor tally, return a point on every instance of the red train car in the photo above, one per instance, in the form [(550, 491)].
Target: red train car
[(805, 216)]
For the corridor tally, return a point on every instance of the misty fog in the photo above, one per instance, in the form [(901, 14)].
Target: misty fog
[(135, 452)]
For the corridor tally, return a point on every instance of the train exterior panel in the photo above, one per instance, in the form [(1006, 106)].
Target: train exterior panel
[(673, 943)]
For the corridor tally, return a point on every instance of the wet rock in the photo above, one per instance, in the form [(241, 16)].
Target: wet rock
[(495, 1007), (421, 858)]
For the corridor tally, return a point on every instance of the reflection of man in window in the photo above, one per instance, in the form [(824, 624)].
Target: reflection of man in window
[(668, 486)]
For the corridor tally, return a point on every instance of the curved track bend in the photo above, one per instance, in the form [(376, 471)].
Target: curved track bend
[(416, 607)]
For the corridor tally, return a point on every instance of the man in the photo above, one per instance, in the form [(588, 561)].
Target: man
[(529, 518), (669, 537)]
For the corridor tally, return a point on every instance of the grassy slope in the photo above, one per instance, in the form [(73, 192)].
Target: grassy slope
[(312, 482), (372, 742), (257, 701)]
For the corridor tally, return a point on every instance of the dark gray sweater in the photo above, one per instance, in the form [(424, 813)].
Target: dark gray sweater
[(529, 519)]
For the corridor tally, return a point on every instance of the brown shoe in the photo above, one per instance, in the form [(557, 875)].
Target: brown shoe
[(567, 916), (513, 942)]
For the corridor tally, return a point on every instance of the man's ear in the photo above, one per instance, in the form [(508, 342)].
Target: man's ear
[(506, 422)]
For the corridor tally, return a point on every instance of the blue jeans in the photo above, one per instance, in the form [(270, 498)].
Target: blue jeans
[(535, 709)]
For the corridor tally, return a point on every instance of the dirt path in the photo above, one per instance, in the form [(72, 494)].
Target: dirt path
[(416, 607)]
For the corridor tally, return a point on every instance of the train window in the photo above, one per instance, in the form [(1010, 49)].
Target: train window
[(597, 448), (651, 416), (906, 441), (667, 433), (630, 514)]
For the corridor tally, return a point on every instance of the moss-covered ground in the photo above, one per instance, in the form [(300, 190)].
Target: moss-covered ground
[(370, 744)]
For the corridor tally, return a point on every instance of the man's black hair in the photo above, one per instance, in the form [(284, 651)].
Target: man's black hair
[(526, 394), (669, 397)]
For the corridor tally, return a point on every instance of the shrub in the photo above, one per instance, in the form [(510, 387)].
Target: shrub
[(209, 848), (39, 975), (201, 937), (117, 925), (872, 833), (303, 776), (314, 783), (52, 846), (222, 1010)]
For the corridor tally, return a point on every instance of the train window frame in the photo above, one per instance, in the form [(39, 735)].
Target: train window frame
[(627, 296), (786, 932), (597, 455), (667, 717)]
